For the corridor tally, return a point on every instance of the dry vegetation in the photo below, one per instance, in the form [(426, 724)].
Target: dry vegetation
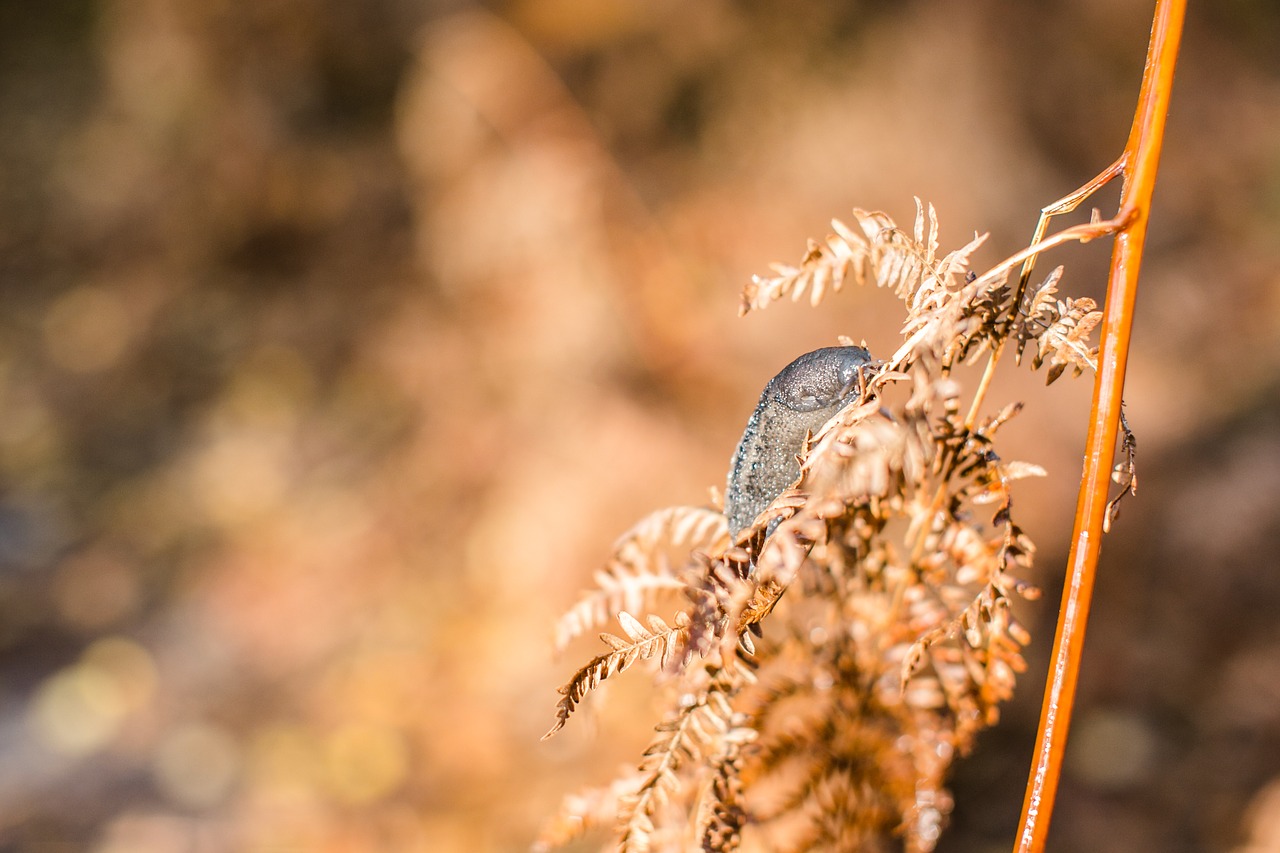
[(878, 586), (339, 339)]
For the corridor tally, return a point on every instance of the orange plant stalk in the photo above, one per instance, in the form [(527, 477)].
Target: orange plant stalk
[(1137, 166)]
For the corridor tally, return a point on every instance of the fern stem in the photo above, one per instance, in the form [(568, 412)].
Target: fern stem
[(1140, 162), (1066, 204), (987, 375)]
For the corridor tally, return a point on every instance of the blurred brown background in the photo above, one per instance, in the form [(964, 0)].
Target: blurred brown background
[(339, 340)]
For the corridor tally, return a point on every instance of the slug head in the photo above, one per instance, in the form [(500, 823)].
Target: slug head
[(821, 379)]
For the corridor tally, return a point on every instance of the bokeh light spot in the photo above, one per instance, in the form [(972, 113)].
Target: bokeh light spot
[(365, 763), (196, 765), (78, 710), (87, 330), (129, 666), (284, 762), (240, 476), (94, 590), (270, 388), (1112, 749)]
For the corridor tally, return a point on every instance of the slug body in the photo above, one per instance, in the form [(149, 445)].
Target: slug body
[(799, 400)]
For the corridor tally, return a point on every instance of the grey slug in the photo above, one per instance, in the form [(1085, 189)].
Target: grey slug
[(799, 400)]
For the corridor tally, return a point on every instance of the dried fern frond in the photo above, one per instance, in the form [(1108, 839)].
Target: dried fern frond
[(829, 666), (585, 811), (876, 251), (700, 729), (658, 640), (1061, 328), (642, 567)]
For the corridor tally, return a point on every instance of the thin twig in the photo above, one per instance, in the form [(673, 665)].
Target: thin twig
[(1139, 164)]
